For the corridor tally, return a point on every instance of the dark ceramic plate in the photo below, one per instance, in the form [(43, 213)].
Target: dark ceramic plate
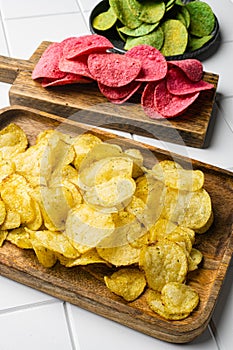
[(205, 51)]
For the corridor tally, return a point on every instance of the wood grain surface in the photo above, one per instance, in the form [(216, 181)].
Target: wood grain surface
[(85, 103), (84, 286)]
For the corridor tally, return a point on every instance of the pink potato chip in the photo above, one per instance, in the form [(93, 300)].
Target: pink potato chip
[(147, 101), (154, 64), (179, 84), (85, 44), (69, 78), (192, 67), (75, 66), (113, 69), (48, 64), (170, 105), (122, 93)]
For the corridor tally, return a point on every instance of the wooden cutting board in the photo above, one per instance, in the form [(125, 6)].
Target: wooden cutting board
[(84, 285), (84, 103)]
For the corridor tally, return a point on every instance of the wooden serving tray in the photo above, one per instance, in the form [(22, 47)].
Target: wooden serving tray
[(86, 104), (84, 285)]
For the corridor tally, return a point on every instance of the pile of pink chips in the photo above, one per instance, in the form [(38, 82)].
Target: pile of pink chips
[(167, 88)]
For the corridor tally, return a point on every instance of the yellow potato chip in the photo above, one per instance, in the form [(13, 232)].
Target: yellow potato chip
[(103, 170), (123, 255), (7, 167), (44, 255), (12, 220), (87, 226), (90, 257), (2, 212), (112, 193), (137, 157), (13, 140), (56, 242), (128, 283), (155, 303), (15, 194), (3, 235), (179, 298), (82, 144), (20, 237), (163, 262), (194, 259)]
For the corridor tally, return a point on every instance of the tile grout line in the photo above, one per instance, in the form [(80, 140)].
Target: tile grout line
[(2, 24), (73, 340), (42, 15), (28, 306)]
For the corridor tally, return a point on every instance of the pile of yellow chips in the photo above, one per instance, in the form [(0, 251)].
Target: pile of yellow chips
[(79, 200)]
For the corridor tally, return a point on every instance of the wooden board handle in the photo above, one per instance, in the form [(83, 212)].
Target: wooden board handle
[(10, 68)]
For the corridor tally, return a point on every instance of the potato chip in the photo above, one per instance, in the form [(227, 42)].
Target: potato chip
[(143, 29), (179, 84), (194, 259), (7, 167), (163, 262), (15, 194), (20, 237), (105, 20), (85, 44), (154, 64), (13, 140), (155, 39), (12, 220), (82, 145), (124, 13), (155, 303), (87, 258), (87, 226), (45, 257), (152, 12), (113, 69), (160, 229), (119, 94), (202, 20), (55, 242), (3, 235), (195, 43), (123, 255), (193, 68), (127, 282), (103, 170), (137, 158), (179, 298), (170, 105), (175, 38), (2, 212), (112, 193)]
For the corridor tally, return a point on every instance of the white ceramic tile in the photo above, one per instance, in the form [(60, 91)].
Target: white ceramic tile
[(36, 328), (25, 35), (87, 5), (222, 317), (106, 334), (223, 10), (28, 8), (13, 295), (4, 97), (218, 153), (3, 44), (221, 64), (226, 106)]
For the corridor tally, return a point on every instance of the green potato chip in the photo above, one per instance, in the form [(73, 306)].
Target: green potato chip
[(152, 11), (195, 43), (154, 39), (175, 37), (124, 13), (105, 20), (143, 29), (135, 6), (202, 19)]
